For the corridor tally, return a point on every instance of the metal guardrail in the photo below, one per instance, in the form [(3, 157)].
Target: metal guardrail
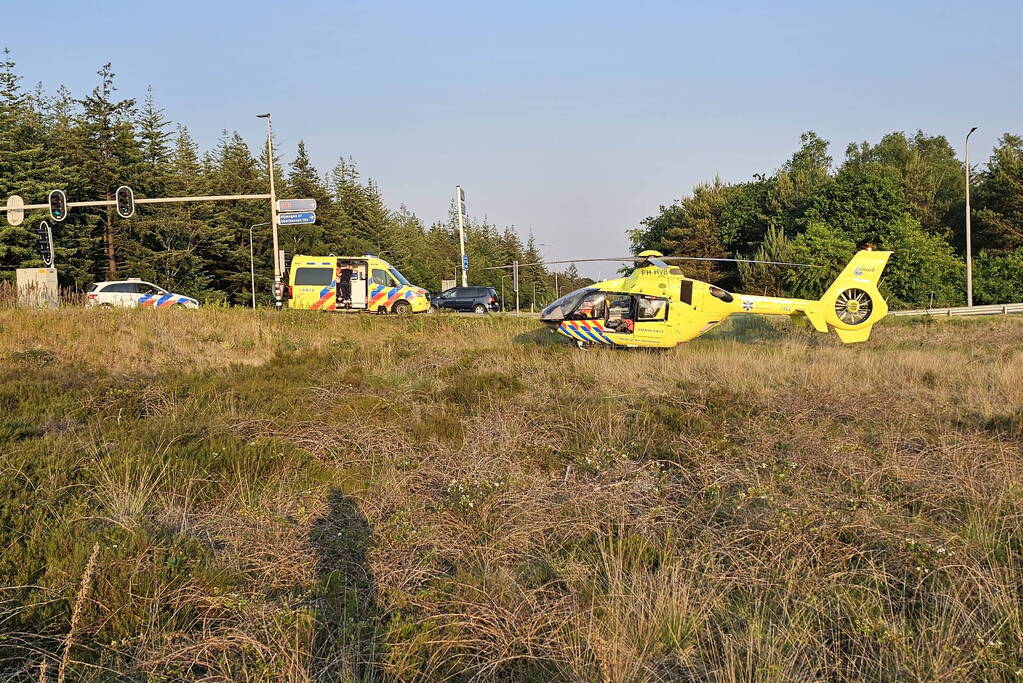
[(993, 309)]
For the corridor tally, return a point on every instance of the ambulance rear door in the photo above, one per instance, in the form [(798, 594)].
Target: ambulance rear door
[(358, 281)]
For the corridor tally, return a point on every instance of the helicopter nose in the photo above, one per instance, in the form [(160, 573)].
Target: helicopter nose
[(552, 314)]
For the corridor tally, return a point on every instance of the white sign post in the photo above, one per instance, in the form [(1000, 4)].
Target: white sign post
[(460, 206), (515, 283)]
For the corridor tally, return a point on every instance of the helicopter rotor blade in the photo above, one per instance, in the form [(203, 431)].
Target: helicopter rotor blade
[(575, 260), (653, 259), (739, 260)]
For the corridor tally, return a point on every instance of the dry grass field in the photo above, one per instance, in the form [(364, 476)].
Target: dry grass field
[(312, 497)]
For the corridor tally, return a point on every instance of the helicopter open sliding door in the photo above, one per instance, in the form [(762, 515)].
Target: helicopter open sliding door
[(636, 319)]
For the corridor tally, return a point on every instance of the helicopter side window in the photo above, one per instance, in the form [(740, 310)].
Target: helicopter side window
[(651, 308), (686, 292), (621, 315)]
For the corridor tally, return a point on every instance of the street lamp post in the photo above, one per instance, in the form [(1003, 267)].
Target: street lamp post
[(252, 263), (273, 207), (969, 245), (533, 300), (503, 276)]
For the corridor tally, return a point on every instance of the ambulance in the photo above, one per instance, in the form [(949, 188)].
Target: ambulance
[(315, 284)]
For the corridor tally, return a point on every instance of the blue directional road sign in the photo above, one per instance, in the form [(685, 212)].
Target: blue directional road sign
[(298, 218), (465, 262)]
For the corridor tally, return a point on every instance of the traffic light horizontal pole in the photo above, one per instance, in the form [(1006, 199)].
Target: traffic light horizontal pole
[(213, 198), (154, 200)]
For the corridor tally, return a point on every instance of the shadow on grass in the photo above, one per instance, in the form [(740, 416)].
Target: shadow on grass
[(748, 329), (745, 329), (349, 627), (542, 336)]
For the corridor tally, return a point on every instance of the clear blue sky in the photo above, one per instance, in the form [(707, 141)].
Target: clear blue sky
[(571, 119)]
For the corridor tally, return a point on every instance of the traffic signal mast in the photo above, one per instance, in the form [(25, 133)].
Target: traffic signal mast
[(124, 201)]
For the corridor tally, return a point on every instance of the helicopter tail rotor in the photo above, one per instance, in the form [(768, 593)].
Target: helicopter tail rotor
[(853, 304)]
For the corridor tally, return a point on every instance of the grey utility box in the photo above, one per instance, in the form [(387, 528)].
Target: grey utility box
[(37, 288)]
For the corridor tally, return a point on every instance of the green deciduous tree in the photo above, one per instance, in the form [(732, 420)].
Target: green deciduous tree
[(998, 278), (927, 170), (999, 219), (688, 227)]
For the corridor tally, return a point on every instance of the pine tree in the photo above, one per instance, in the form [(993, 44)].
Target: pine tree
[(303, 182), (179, 237), (232, 170), (107, 154), (139, 244), (77, 241), (25, 166), (360, 212)]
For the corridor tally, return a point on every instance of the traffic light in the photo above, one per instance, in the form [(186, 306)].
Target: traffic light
[(44, 243), (125, 202), (58, 205)]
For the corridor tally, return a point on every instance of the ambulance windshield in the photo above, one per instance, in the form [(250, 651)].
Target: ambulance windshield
[(398, 276)]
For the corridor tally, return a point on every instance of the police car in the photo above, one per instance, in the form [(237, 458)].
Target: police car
[(135, 293)]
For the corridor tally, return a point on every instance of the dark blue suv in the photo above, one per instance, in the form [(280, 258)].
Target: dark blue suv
[(469, 299)]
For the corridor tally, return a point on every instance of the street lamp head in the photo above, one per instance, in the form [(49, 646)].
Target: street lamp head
[(973, 129), (262, 116)]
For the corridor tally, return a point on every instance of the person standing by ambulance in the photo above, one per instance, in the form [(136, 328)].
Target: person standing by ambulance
[(344, 285)]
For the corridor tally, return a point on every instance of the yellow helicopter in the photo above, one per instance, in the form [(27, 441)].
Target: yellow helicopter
[(656, 306)]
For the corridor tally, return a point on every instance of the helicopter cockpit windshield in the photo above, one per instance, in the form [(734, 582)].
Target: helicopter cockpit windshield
[(581, 303)]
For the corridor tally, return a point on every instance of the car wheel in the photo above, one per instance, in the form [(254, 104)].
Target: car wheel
[(106, 306), (401, 308), (479, 308)]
